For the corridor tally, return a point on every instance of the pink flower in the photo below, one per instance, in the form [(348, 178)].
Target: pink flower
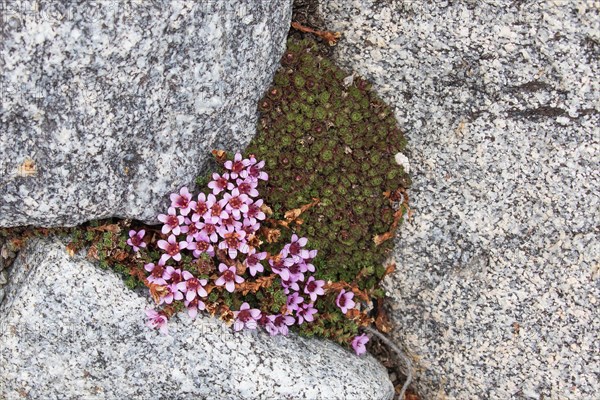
[(228, 277), (190, 229), (173, 275), (229, 222), (254, 212), (246, 317), (358, 344), (295, 248), (237, 165), (220, 183), (171, 222), (279, 324), (293, 301), (216, 213), (280, 265), (192, 286), (183, 201), (287, 285), (297, 271), (344, 301), (193, 307), (157, 320), (314, 288), (156, 273), (305, 313), (136, 240), (252, 261), (254, 172), (202, 245), (236, 203), (247, 187), (173, 293), (202, 206), (249, 227), (308, 261), (209, 230), (233, 241), (171, 248)]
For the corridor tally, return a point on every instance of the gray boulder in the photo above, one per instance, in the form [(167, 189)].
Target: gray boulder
[(107, 107), (496, 289), (71, 330)]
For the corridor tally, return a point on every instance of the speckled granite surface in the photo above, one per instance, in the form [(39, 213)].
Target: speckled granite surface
[(69, 330), (497, 287), (109, 106)]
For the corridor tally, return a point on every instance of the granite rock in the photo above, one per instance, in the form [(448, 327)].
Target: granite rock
[(4, 260), (107, 107), (71, 330), (496, 289)]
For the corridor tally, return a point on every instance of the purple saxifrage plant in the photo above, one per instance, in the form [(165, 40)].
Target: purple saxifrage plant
[(222, 227), (136, 240)]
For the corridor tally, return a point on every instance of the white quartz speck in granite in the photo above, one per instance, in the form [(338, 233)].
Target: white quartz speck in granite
[(118, 104), (498, 272), (71, 330)]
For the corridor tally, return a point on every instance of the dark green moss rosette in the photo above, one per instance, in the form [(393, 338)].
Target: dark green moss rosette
[(322, 138)]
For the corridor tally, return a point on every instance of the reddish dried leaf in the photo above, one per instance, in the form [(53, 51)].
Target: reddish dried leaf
[(212, 308), (93, 252), (254, 241), (169, 310), (71, 249), (120, 256), (220, 156), (270, 234), (266, 209), (156, 291), (378, 239), (226, 313), (17, 244), (240, 268), (262, 282), (330, 37), (382, 322), (114, 228), (209, 287), (396, 195), (361, 318), (292, 215), (391, 267), (285, 224), (139, 273)]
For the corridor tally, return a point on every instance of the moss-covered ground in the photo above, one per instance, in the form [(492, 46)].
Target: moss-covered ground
[(328, 139)]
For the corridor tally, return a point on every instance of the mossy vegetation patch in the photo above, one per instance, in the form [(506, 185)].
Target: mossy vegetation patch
[(328, 138), (329, 146)]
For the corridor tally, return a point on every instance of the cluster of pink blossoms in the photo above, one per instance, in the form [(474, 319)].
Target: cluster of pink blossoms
[(227, 219)]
